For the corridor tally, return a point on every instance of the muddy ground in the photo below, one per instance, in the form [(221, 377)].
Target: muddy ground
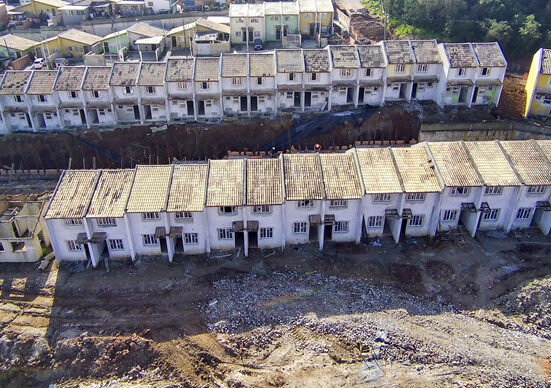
[(443, 312)]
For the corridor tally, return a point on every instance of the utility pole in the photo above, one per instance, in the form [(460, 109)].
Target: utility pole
[(385, 16)]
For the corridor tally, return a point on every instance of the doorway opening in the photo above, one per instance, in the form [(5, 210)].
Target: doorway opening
[(190, 111), (179, 244), (162, 242), (147, 109), (327, 232), (254, 103), (475, 94), (463, 95), (201, 108), (239, 240), (349, 95), (82, 116), (307, 99), (313, 232), (414, 90), (94, 117), (403, 88), (361, 95), (297, 100), (243, 101), (253, 239), (136, 112)]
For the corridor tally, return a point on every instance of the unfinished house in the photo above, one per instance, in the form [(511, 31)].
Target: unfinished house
[(460, 67), (23, 234), (421, 191), (344, 76), (148, 222), (426, 71), (463, 185), (316, 79), (186, 210), (66, 212), (225, 206), (207, 87), (501, 184), (42, 102), (262, 83), (534, 171), (304, 195), (264, 211), (343, 198), (124, 90), (290, 69), (97, 96), (371, 75), (490, 73), (106, 222), (381, 212), (71, 108), (14, 104), (234, 83), (151, 85), (180, 88), (400, 60)]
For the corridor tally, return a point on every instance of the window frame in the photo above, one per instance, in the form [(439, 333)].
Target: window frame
[(265, 233), (115, 244), (305, 203), (449, 215), (338, 203), (416, 197), (225, 233), (375, 221), (300, 227), (149, 240), (420, 221), (341, 227), (73, 246), (104, 222), (150, 216), (191, 238)]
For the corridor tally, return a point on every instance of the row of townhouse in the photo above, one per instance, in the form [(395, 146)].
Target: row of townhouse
[(273, 21), (253, 84), (194, 208)]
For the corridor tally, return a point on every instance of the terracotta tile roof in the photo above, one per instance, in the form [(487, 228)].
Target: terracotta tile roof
[(15, 42), (234, 65), (42, 82), (545, 146), (416, 170), (179, 69), (491, 163), (454, 164), (97, 78), (188, 190), (15, 82), (489, 54), (262, 65), (80, 36), (264, 182), (124, 74), (316, 61), (289, 61), (226, 184), (152, 74), (426, 51), (398, 51), (207, 69), (546, 62), (460, 55), (371, 56), (532, 167), (150, 189), (70, 78), (73, 194), (303, 177), (111, 193), (378, 171), (145, 29), (340, 176), (344, 56)]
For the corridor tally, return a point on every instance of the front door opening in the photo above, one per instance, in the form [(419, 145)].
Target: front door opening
[(254, 103), (463, 95), (313, 232), (243, 100), (136, 112), (307, 99), (94, 117), (147, 109), (29, 123), (349, 95), (162, 241), (403, 88), (253, 239), (239, 240), (178, 244), (414, 90), (201, 108), (190, 111), (82, 116), (475, 94), (41, 121), (278, 32), (297, 100), (328, 232), (361, 95)]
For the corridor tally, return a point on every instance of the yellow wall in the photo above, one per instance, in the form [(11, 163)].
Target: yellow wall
[(62, 46), (391, 73), (305, 22), (35, 8), (186, 34)]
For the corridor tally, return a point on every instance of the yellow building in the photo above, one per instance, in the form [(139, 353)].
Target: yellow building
[(315, 15), (181, 37), (36, 7), (538, 85), (71, 43)]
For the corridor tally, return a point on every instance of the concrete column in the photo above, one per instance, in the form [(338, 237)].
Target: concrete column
[(129, 237), (514, 209), (301, 100), (61, 125), (359, 220), (53, 242), (321, 229), (245, 233), (329, 103), (207, 229), (356, 97), (94, 255)]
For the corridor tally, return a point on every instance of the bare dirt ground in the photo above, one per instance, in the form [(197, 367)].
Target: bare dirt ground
[(441, 312), (513, 98)]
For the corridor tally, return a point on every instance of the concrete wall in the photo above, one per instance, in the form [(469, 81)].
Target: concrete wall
[(501, 130)]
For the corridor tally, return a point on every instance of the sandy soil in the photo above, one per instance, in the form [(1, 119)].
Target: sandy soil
[(439, 312)]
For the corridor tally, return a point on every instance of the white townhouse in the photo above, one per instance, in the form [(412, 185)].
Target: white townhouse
[(146, 219), (304, 196), (422, 191), (490, 74), (187, 218), (262, 89), (263, 214), (153, 93), (342, 207), (371, 75), (13, 102), (426, 71), (124, 92), (106, 221), (400, 61), (459, 71), (67, 87), (225, 206), (501, 184), (97, 96), (65, 216), (208, 93), (345, 72), (234, 82), (316, 79), (246, 23), (290, 70), (41, 100), (381, 210), (460, 199), (180, 88), (534, 171)]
